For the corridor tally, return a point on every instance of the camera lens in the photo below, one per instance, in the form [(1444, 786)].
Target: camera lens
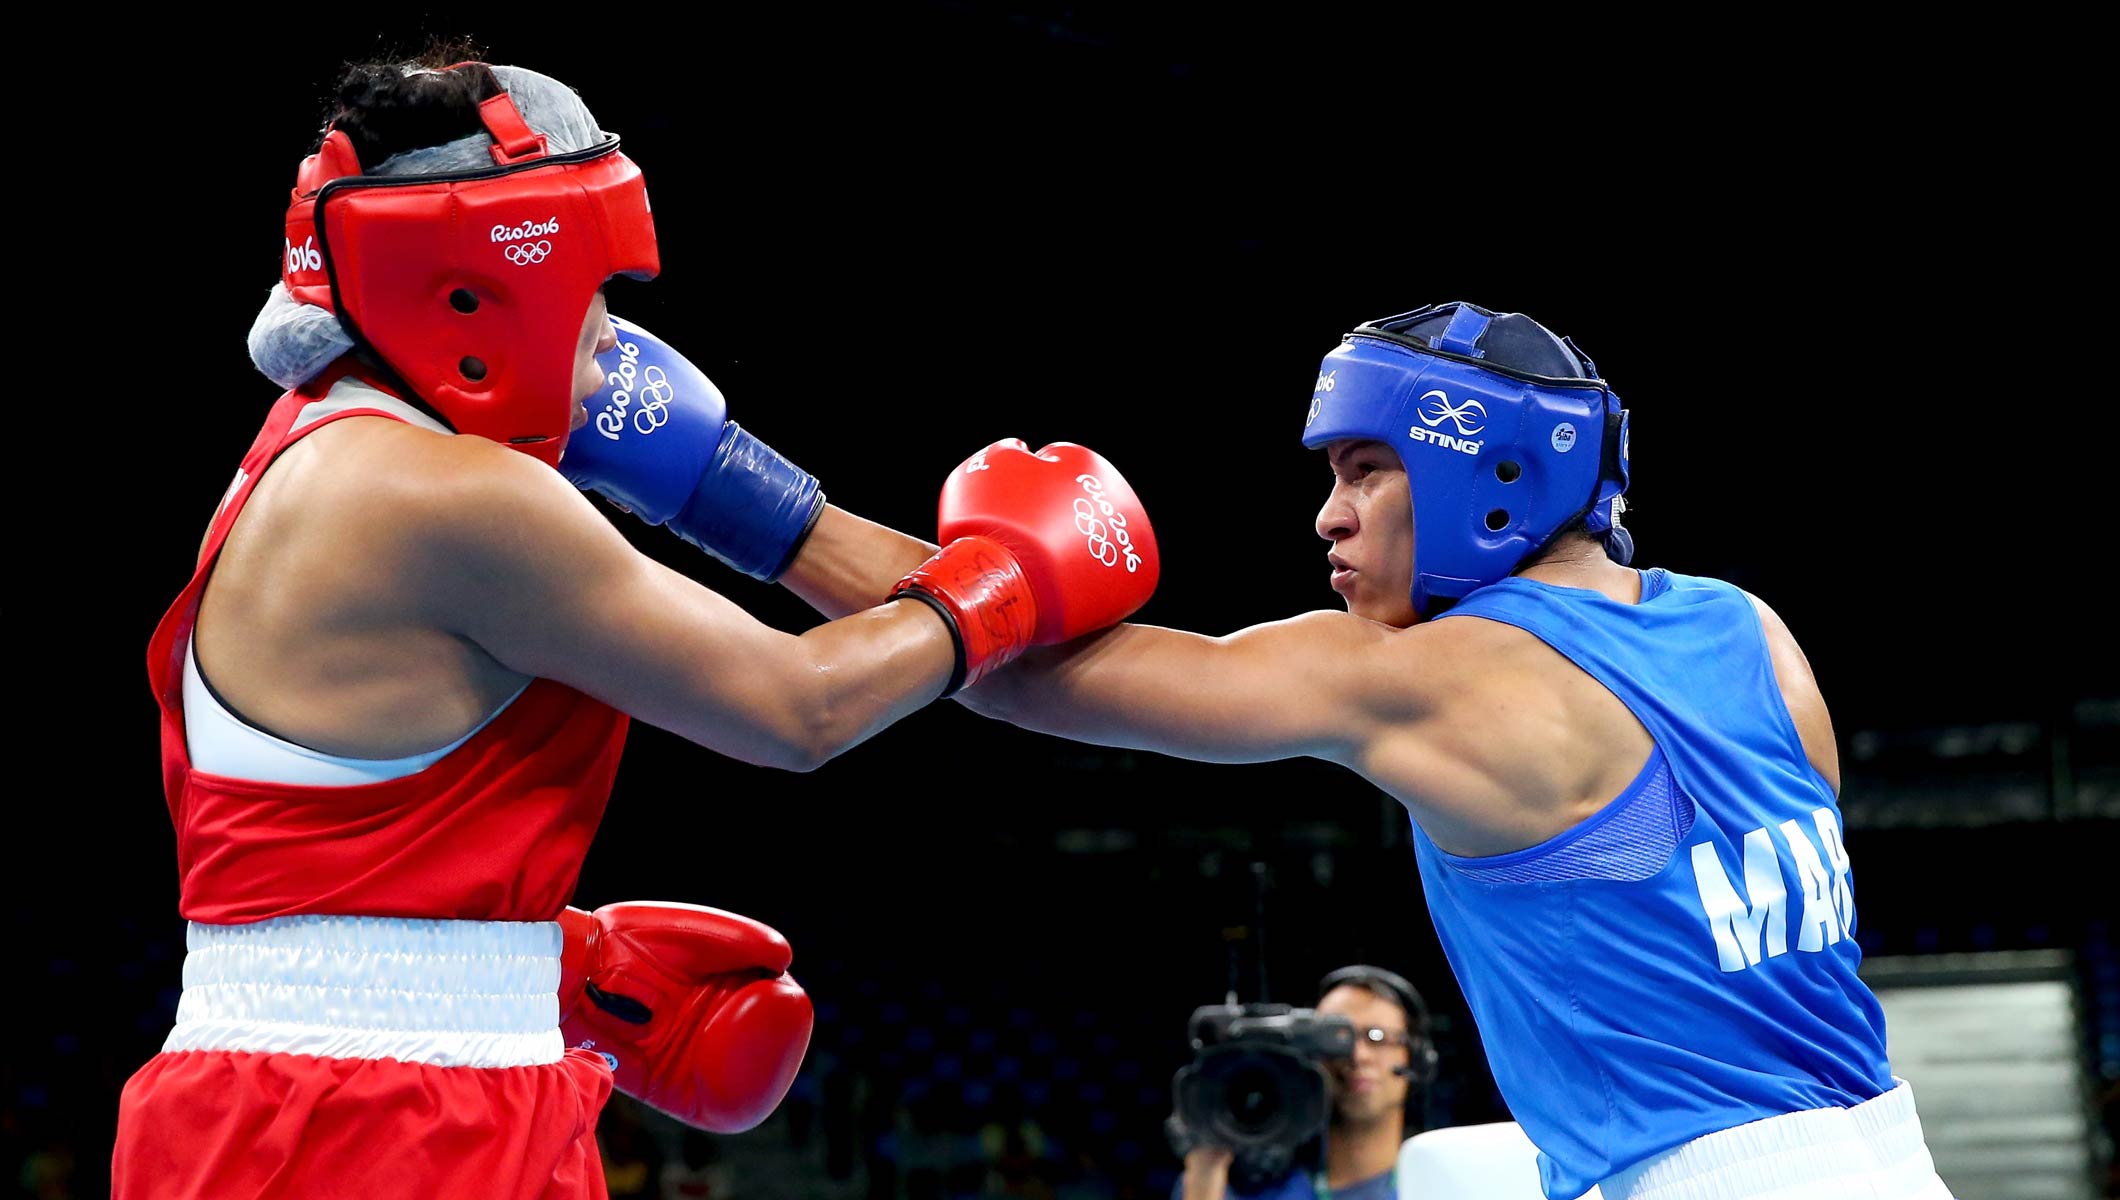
[(1252, 1093), (1252, 1097)]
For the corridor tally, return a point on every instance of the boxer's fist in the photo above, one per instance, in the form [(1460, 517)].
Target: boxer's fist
[(693, 1006), (659, 445), (1070, 519), (1039, 548), (653, 430)]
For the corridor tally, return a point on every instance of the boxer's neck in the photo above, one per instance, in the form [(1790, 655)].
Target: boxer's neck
[(1583, 563)]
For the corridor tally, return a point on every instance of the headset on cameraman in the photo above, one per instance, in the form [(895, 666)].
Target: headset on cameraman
[(1421, 1057)]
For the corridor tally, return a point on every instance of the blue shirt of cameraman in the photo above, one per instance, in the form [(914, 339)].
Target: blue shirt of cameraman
[(1302, 1185)]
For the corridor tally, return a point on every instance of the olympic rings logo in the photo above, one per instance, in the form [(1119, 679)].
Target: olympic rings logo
[(1086, 522), (1326, 382), (655, 396), (528, 253), (654, 391), (1104, 526)]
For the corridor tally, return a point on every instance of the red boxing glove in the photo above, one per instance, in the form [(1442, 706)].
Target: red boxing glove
[(693, 1006), (1039, 548)]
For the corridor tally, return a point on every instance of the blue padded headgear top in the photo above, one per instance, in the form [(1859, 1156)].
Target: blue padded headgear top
[(1507, 433)]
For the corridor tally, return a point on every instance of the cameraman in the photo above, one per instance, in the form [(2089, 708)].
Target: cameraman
[(1394, 1058)]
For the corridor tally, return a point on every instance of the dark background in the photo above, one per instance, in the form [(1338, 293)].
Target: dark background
[(1834, 296)]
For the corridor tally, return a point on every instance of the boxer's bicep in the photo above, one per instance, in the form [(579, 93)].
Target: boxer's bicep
[(1281, 690)]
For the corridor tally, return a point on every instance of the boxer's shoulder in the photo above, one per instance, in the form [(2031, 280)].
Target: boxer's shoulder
[(408, 486), (359, 512), (1500, 741), (1800, 693), (1436, 666)]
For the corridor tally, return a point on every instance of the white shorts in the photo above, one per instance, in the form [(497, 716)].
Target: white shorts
[(1873, 1151)]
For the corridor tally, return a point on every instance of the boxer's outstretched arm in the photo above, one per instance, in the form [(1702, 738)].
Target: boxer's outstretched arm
[(521, 565), (1283, 690), (1322, 685)]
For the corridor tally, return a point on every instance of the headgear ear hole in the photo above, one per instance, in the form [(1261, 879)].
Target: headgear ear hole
[(1498, 520), (473, 369), (1507, 472), (463, 301)]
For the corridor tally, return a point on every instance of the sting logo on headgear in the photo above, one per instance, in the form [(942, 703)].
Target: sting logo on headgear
[(1440, 411), (410, 269), (1435, 377)]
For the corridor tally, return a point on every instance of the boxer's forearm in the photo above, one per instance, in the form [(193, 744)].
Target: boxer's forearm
[(1121, 687), (1269, 692), (850, 563)]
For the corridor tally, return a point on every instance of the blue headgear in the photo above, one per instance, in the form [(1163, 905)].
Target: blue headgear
[(1507, 433)]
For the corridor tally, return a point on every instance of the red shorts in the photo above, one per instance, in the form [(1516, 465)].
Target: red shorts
[(216, 1125), (365, 1057)]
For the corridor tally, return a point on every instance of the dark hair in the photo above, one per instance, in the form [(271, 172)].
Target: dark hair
[(1579, 528), (387, 108)]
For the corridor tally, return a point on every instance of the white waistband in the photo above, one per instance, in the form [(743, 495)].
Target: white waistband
[(447, 993), (1873, 1151)]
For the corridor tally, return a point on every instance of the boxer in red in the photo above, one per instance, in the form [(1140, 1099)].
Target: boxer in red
[(395, 690)]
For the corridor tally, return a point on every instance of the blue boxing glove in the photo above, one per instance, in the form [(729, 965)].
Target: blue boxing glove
[(658, 444)]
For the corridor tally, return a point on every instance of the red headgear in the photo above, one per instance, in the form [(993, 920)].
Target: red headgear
[(472, 287)]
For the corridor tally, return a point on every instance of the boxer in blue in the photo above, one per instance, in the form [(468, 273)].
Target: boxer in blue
[(1623, 783)]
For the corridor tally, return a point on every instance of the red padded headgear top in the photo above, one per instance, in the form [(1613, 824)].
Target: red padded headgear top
[(472, 287)]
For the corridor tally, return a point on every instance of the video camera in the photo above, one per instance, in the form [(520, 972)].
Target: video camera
[(1257, 1085)]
